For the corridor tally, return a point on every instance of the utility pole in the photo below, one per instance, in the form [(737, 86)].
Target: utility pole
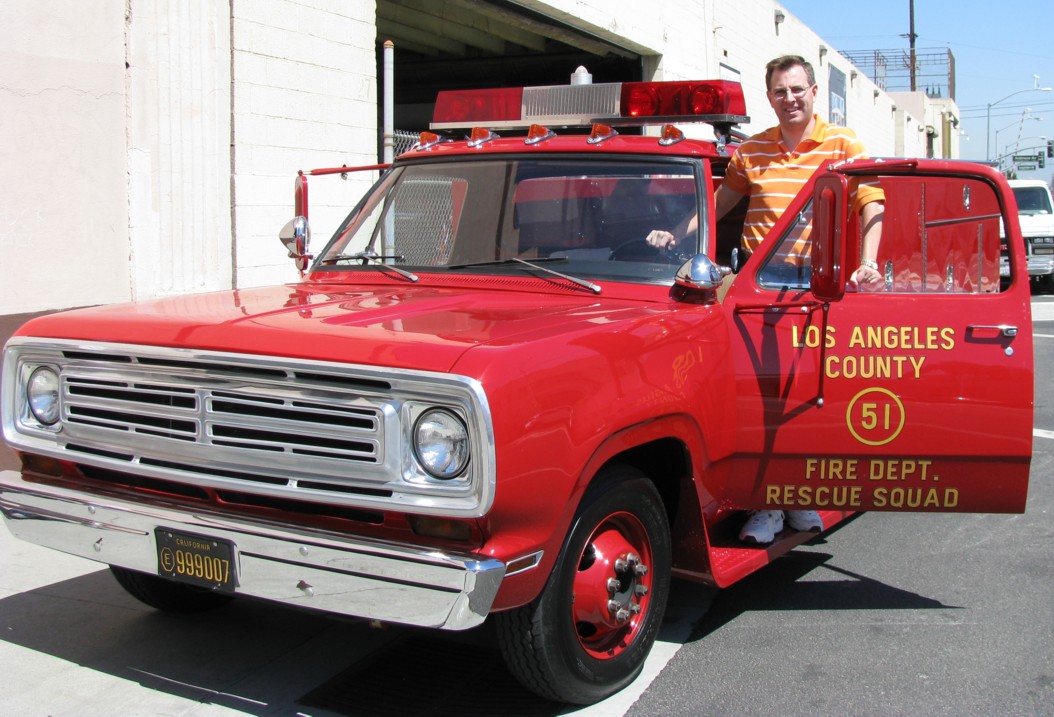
[(911, 40)]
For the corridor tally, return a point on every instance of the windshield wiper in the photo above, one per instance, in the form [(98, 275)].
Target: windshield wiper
[(498, 262), (372, 258), (534, 265)]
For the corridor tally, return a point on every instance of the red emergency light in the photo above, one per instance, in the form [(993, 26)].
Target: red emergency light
[(678, 99), (620, 103), (478, 106)]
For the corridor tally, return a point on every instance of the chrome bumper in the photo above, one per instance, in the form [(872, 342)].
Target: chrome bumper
[(323, 571), (1041, 265)]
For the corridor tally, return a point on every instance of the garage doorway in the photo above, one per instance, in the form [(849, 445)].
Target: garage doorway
[(452, 44)]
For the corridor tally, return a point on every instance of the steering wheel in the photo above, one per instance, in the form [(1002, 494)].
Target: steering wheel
[(641, 250)]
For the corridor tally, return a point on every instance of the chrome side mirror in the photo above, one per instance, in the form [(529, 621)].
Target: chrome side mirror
[(699, 279), (296, 237)]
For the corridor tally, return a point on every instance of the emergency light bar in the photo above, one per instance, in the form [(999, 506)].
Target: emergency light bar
[(716, 102)]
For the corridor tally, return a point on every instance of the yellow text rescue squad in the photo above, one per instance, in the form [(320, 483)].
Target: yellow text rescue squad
[(844, 483)]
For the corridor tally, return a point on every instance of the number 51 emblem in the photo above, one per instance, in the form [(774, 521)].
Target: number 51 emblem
[(875, 416)]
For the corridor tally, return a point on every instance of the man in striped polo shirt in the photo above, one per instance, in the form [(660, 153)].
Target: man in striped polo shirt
[(772, 167)]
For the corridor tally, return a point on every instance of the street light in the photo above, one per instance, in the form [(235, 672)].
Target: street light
[(1025, 115), (1019, 142), (1010, 154), (988, 126)]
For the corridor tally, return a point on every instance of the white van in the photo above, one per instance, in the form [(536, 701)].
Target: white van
[(1036, 214)]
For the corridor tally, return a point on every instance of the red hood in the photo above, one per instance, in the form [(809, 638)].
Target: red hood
[(419, 327)]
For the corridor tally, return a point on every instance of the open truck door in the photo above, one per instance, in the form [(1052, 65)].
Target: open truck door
[(916, 395)]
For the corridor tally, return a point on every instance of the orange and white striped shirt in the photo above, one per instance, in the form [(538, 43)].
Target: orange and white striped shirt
[(763, 168)]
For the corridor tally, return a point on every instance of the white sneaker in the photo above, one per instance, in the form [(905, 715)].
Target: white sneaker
[(806, 521), (761, 527)]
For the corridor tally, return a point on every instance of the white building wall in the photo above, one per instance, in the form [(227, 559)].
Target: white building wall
[(178, 125), (711, 38), (669, 33), (756, 38), (63, 203), (922, 115), (173, 175), (305, 97)]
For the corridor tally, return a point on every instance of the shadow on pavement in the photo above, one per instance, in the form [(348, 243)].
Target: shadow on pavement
[(265, 659), (782, 586)]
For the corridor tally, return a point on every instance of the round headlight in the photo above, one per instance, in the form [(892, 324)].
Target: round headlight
[(43, 394), (441, 443)]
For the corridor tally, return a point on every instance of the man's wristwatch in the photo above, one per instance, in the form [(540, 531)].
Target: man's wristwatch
[(870, 264)]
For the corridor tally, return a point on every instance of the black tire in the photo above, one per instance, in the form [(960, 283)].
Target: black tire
[(166, 595), (586, 637)]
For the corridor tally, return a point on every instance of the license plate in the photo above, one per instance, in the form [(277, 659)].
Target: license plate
[(195, 559)]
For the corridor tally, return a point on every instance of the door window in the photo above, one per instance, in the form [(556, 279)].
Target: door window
[(940, 235)]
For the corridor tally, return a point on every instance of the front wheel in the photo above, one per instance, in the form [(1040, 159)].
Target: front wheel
[(587, 635)]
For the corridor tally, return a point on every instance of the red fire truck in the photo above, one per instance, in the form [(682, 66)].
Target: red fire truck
[(488, 397)]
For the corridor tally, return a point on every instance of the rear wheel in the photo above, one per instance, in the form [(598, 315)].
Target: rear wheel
[(166, 595), (587, 635)]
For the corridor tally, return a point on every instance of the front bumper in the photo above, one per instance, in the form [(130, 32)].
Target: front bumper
[(1040, 265), (325, 571)]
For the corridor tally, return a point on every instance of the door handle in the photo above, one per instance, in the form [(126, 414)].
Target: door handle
[(1004, 329)]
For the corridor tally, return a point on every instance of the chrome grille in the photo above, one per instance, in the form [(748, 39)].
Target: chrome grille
[(324, 429), (230, 418), (167, 411), (248, 425), (228, 424)]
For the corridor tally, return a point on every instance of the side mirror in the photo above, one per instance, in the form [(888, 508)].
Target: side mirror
[(830, 210), (296, 237), (698, 280)]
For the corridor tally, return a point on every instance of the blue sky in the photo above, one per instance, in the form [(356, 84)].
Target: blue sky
[(998, 48)]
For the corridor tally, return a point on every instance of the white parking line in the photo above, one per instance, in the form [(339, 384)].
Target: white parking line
[(621, 702), (1040, 433), (688, 604), (1042, 311)]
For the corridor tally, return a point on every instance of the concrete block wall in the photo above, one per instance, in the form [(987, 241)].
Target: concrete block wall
[(150, 146), (178, 155), (63, 201), (305, 96)]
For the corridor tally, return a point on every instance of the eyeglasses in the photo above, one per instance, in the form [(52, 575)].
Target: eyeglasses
[(795, 92)]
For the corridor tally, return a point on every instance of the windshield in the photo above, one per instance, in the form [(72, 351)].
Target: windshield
[(1032, 200), (583, 217)]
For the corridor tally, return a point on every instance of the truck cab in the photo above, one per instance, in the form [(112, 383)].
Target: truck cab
[(489, 397)]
